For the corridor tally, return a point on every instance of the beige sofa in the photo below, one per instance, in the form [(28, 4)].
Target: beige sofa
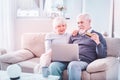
[(2, 51), (32, 46)]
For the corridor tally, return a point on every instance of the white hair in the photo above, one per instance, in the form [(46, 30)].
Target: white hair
[(87, 16), (58, 20)]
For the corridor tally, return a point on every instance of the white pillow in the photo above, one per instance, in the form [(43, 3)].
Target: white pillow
[(16, 56)]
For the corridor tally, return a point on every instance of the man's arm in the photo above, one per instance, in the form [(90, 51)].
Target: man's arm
[(101, 51), (101, 48), (70, 40)]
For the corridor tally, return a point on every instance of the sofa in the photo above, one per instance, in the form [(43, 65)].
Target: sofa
[(32, 46), (2, 51)]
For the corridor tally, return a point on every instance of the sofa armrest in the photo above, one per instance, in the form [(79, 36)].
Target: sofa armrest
[(2, 51), (101, 64)]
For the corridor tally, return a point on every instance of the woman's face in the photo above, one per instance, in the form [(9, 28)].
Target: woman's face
[(60, 29)]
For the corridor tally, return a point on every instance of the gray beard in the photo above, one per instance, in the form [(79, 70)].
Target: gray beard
[(82, 31)]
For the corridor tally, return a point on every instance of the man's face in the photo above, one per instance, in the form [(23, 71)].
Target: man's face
[(60, 28), (83, 23)]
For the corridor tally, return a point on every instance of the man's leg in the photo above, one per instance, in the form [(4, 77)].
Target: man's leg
[(75, 68), (57, 68)]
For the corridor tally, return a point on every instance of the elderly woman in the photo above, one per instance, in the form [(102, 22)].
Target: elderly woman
[(58, 36)]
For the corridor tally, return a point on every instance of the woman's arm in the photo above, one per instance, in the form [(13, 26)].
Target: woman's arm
[(48, 42)]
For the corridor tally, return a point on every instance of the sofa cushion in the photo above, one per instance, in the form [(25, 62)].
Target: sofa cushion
[(65, 75), (85, 75), (17, 56), (99, 76), (101, 64), (28, 65), (113, 46), (34, 42)]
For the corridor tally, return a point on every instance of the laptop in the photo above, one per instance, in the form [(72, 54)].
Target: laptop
[(65, 52)]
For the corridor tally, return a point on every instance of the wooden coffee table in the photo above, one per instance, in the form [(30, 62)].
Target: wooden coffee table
[(28, 76)]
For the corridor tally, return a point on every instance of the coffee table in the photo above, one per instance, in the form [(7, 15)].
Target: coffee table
[(28, 76)]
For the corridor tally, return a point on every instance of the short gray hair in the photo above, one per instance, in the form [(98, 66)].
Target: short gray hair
[(87, 16), (59, 20)]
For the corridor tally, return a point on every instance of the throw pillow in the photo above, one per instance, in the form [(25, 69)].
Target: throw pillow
[(16, 56)]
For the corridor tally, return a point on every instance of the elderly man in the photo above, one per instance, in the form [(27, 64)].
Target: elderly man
[(92, 46)]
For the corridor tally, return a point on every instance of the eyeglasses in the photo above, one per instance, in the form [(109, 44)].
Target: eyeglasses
[(81, 22)]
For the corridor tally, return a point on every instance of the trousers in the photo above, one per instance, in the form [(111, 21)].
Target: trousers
[(74, 69)]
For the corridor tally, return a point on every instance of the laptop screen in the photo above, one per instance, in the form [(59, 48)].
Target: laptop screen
[(65, 52)]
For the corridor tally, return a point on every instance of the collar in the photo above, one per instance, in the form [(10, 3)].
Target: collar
[(89, 31)]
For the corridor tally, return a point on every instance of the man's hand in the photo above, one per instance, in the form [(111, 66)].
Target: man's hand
[(75, 32), (95, 37)]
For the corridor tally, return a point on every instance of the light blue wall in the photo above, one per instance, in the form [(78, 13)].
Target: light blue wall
[(117, 19), (73, 8), (100, 13)]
